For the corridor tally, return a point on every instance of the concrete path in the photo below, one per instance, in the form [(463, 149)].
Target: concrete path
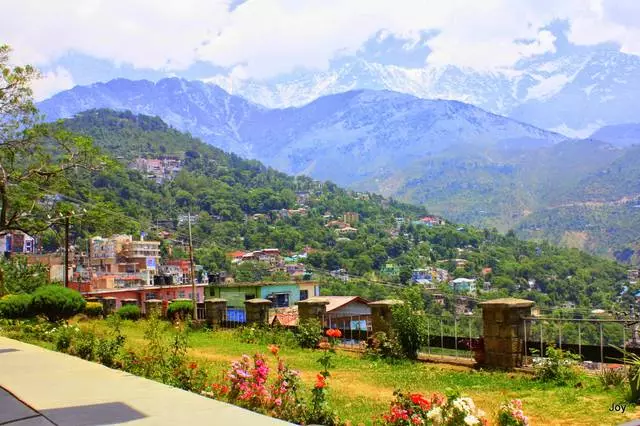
[(42, 387)]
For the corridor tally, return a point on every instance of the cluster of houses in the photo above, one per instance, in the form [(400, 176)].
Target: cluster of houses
[(159, 169)]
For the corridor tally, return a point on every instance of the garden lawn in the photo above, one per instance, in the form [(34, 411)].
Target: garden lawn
[(361, 389)]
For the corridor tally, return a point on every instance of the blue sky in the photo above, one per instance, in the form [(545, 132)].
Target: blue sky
[(83, 41)]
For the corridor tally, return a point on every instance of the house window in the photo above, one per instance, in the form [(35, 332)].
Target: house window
[(279, 300), (248, 297), (181, 295), (148, 296), (304, 294)]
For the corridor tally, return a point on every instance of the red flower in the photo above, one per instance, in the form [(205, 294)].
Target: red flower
[(193, 366), (274, 349), (420, 400), (334, 332), (320, 381)]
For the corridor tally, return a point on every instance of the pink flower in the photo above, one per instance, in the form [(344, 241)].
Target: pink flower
[(278, 402)]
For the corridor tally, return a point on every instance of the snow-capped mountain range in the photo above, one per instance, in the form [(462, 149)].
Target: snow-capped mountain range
[(573, 93)]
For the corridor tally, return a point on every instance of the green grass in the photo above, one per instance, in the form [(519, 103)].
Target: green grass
[(361, 389)]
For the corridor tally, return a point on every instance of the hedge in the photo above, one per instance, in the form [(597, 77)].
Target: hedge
[(130, 312), (93, 309), (57, 303), (180, 309), (15, 306)]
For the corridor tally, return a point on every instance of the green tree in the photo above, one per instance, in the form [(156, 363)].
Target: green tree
[(37, 161)]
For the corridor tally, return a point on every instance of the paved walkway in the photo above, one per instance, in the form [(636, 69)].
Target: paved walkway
[(42, 387)]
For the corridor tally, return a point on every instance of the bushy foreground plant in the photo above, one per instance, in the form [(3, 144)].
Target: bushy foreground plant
[(309, 333), (57, 303), (383, 346), (410, 328), (16, 306), (560, 367), (263, 335), (510, 413), (416, 409), (129, 312)]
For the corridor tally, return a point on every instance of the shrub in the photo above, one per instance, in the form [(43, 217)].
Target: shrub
[(612, 377), (511, 414), (16, 306), (264, 335), (57, 303), (130, 312), (410, 328), (93, 309), (108, 347), (309, 333), (381, 345), (560, 367), (84, 345), (64, 336), (180, 309)]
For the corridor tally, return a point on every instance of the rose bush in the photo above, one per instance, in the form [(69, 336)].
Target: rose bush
[(511, 414), (437, 409)]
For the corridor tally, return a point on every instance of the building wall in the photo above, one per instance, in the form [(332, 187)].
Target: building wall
[(352, 309), (162, 293), (235, 296), (313, 289), (292, 289)]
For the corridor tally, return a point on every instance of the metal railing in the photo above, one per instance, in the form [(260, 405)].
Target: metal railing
[(452, 335), (355, 329), (595, 340)]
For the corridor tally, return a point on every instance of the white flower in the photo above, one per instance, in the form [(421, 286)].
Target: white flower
[(469, 403), (471, 420), (435, 415)]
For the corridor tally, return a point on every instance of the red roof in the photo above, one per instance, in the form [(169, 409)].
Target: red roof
[(235, 254)]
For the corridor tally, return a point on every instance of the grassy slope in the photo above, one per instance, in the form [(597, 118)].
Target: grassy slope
[(361, 389)]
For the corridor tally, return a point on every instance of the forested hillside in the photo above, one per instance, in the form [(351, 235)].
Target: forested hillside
[(237, 201)]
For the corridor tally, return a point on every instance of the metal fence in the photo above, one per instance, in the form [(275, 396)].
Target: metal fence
[(597, 341), (355, 329), (452, 335)]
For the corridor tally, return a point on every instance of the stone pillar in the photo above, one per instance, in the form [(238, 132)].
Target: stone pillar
[(215, 311), (125, 302), (257, 311), (381, 319), (153, 305), (312, 308), (503, 331), (108, 305)]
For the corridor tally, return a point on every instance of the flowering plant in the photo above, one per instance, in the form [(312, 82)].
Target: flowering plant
[(437, 409), (511, 414), (247, 384), (320, 412)]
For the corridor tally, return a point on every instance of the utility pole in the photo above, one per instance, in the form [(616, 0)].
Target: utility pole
[(193, 278), (66, 251)]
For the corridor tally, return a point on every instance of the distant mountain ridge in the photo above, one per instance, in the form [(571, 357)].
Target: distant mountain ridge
[(573, 93), (347, 137)]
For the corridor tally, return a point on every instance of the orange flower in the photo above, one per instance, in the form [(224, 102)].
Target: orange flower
[(274, 349), (193, 366), (334, 332), (320, 381)]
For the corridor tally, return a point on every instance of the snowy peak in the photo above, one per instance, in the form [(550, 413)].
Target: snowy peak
[(576, 92)]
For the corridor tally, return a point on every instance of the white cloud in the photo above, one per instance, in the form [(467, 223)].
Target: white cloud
[(52, 82), (268, 37)]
